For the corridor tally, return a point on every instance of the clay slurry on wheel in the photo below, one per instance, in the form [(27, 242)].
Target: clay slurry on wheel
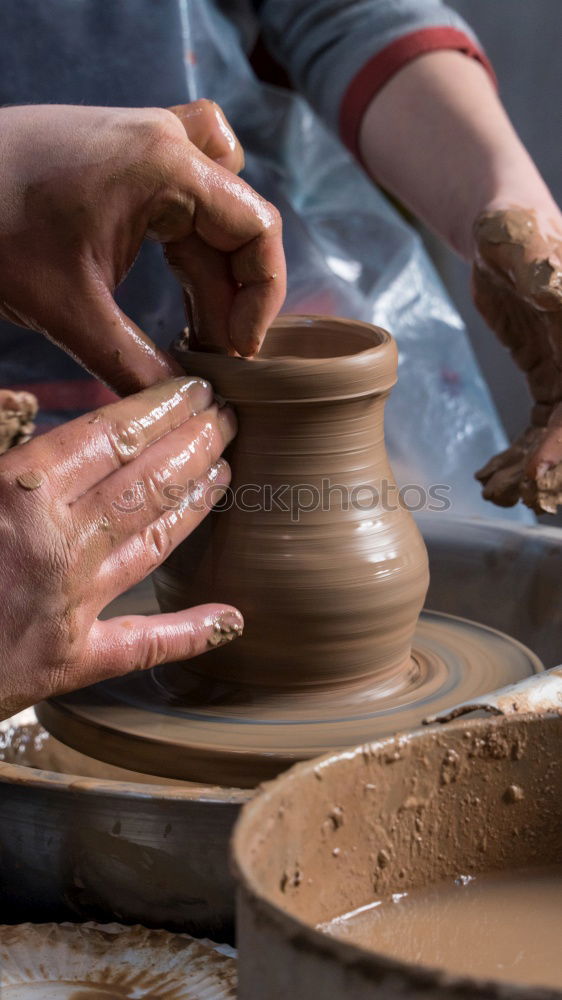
[(233, 735)]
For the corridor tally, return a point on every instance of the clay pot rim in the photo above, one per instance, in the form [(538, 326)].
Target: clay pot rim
[(353, 955), (54, 781), (371, 332), (287, 378)]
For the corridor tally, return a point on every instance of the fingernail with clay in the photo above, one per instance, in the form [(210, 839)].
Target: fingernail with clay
[(199, 392), (227, 626)]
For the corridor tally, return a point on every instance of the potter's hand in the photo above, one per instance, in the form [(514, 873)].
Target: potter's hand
[(91, 508), (517, 277), (80, 188)]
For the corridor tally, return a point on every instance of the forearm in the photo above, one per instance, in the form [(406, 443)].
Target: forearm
[(438, 138)]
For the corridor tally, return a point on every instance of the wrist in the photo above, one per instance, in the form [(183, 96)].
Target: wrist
[(513, 182), (540, 202)]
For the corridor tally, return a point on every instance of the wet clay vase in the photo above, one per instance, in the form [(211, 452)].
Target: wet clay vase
[(313, 545)]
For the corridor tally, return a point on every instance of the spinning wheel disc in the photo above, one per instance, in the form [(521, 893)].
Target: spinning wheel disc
[(234, 735)]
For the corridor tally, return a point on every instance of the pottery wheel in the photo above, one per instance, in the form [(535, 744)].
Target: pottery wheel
[(231, 735)]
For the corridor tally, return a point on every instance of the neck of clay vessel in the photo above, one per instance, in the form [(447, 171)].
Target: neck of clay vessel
[(306, 463)]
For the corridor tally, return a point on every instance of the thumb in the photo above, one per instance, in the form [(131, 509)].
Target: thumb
[(140, 642)]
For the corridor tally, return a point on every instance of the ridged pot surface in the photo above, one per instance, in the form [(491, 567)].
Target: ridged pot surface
[(313, 544)]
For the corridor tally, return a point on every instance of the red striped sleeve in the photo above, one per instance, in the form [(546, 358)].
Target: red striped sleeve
[(384, 64)]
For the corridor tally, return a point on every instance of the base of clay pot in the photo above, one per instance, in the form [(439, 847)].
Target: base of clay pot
[(231, 734)]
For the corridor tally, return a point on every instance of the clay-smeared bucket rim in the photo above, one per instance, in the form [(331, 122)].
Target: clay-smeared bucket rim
[(303, 359), (406, 976)]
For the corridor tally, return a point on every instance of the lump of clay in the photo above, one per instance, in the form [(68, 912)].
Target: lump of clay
[(17, 414)]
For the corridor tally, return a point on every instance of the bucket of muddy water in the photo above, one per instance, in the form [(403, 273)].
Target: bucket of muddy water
[(424, 865)]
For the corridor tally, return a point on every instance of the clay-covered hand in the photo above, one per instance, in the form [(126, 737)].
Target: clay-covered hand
[(517, 280), (80, 188), (91, 508)]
